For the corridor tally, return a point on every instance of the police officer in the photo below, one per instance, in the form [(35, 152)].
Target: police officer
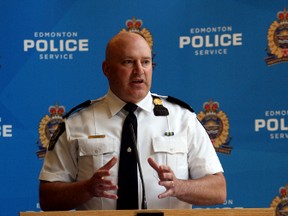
[(179, 164)]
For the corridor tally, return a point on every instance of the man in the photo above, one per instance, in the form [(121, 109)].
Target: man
[(180, 166)]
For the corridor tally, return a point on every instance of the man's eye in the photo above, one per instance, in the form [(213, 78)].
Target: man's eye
[(127, 62), (146, 62)]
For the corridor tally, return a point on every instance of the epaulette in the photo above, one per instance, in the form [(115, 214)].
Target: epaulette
[(159, 109), (180, 103), (61, 126), (78, 108)]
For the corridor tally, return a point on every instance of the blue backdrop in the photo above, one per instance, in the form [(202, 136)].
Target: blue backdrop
[(220, 51)]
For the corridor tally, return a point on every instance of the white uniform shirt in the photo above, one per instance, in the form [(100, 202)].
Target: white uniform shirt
[(189, 152)]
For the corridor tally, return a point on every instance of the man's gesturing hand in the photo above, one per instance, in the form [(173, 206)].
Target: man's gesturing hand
[(98, 185), (167, 178)]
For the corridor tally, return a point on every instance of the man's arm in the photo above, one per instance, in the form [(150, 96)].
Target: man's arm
[(57, 196), (208, 190)]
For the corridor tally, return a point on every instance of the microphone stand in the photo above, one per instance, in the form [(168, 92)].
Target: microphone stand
[(144, 201)]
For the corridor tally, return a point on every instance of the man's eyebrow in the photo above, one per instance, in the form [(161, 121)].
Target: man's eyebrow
[(131, 57)]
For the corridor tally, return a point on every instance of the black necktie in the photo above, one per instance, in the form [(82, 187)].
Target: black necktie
[(127, 173)]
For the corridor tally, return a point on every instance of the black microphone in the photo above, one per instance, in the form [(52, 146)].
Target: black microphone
[(144, 201)]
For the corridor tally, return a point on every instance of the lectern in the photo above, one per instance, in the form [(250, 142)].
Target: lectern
[(164, 212)]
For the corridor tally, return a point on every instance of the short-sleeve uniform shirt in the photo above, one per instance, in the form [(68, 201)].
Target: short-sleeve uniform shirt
[(93, 136)]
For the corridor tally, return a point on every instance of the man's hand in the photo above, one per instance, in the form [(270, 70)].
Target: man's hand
[(59, 196), (207, 190), (98, 185), (167, 178)]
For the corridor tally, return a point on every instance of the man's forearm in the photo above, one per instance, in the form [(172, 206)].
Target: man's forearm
[(209, 190), (69, 195), (59, 196)]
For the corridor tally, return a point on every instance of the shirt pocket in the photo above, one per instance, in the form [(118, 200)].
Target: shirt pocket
[(93, 154), (172, 151)]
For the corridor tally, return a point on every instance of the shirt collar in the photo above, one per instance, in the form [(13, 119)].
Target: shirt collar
[(146, 104), (115, 104)]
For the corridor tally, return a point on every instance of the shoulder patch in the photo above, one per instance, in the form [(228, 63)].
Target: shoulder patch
[(58, 132), (61, 127), (180, 103)]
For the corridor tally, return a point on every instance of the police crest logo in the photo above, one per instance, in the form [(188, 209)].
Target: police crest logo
[(280, 203), (134, 25), (47, 127), (217, 126), (277, 37)]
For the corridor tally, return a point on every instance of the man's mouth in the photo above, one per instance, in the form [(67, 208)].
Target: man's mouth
[(138, 81)]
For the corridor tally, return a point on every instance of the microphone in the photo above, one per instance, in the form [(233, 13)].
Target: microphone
[(144, 201)]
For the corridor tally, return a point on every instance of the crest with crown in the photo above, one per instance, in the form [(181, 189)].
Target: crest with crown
[(280, 203), (47, 126), (134, 25), (277, 37), (217, 126)]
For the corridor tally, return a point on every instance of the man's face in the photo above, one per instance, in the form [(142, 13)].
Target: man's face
[(128, 67)]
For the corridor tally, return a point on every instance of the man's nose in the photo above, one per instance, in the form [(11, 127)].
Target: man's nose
[(138, 68)]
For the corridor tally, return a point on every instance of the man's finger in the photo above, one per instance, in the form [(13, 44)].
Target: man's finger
[(164, 168), (108, 195), (153, 164), (109, 164), (100, 174), (167, 193)]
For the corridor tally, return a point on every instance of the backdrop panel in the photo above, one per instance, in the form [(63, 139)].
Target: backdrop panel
[(227, 53)]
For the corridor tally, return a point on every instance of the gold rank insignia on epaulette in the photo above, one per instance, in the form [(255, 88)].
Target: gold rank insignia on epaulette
[(159, 109), (61, 127)]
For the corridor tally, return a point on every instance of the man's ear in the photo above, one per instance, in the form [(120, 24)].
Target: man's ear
[(105, 68)]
